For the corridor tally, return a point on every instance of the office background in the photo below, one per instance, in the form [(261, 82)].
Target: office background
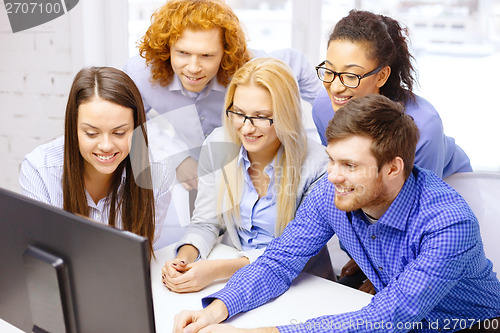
[(456, 45)]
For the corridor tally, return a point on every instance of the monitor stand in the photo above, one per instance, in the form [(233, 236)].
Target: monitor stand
[(49, 290)]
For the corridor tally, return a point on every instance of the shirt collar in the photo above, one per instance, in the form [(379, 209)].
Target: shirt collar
[(176, 85), (243, 159)]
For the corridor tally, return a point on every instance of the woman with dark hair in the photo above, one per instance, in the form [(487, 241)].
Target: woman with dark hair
[(368, 54), (101, 167)]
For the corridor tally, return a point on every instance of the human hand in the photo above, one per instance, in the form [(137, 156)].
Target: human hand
[(194, 321), (173, 268), (187, 173), (186, 254), (368, 287), (349, 269), (181, 277)]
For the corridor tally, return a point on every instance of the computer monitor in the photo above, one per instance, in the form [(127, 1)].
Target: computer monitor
[(60, 272)]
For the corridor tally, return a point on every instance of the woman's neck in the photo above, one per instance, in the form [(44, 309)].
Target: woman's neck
[(97, 184), (259, 160), (260, 179)]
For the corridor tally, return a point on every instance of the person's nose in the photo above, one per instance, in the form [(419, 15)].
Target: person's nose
[(334, 174), (336, 86), (193, 65), (247, 127), (106, 143)]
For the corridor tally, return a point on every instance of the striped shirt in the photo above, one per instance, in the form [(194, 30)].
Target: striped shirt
[(41, 174), (424, 257)]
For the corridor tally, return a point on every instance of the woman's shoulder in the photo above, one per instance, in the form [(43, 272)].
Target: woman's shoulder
[(50, 154), (315, 150), (316, 159), (424, 114), (218, 149), (421, 108)]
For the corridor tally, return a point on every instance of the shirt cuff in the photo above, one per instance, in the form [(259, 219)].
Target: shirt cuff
[(179, 245), (229, 297)]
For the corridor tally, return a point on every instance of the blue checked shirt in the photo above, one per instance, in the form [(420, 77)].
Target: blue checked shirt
[(424, 256)]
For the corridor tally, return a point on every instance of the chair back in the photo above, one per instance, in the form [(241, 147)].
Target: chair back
[(481, 190)]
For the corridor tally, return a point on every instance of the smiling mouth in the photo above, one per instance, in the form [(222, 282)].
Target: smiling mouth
[(105, 157), (251, 137), (343, 190), (193, 78), (341, 99)]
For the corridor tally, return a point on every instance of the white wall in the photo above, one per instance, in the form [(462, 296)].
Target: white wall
[(35, 75)]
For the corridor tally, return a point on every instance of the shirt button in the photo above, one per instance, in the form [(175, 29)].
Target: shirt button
[(202, 118), (380, 268), (373, 236)]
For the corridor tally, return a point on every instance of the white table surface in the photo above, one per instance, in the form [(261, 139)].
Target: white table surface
[(308, 297)]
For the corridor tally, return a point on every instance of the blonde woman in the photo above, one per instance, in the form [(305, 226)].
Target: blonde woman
[(253, 196)]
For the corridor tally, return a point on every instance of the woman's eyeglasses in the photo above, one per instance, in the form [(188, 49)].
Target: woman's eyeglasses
[(240, 118), (349, 80)]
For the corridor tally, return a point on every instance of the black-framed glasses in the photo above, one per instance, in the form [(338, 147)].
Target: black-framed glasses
[(349, 80), (240, 118)]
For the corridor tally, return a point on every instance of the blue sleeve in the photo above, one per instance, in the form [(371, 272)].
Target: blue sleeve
[(309, 84), (434, 148), (273, 272), (411, 295), (431, 147), (322, 112)]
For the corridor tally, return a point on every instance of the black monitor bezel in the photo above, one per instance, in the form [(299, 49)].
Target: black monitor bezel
[(109, 268)]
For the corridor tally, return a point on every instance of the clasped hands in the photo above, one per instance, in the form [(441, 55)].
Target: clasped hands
[(180, 276)]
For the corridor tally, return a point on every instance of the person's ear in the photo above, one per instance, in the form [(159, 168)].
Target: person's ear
[(395, 168), (383, 76)]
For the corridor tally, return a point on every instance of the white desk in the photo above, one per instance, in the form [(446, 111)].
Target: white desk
[(308, 297)]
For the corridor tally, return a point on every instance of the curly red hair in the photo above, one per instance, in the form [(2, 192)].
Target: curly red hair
[(168, 23)]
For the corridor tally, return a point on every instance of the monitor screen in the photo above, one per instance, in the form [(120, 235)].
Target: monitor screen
[(63, 272)]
